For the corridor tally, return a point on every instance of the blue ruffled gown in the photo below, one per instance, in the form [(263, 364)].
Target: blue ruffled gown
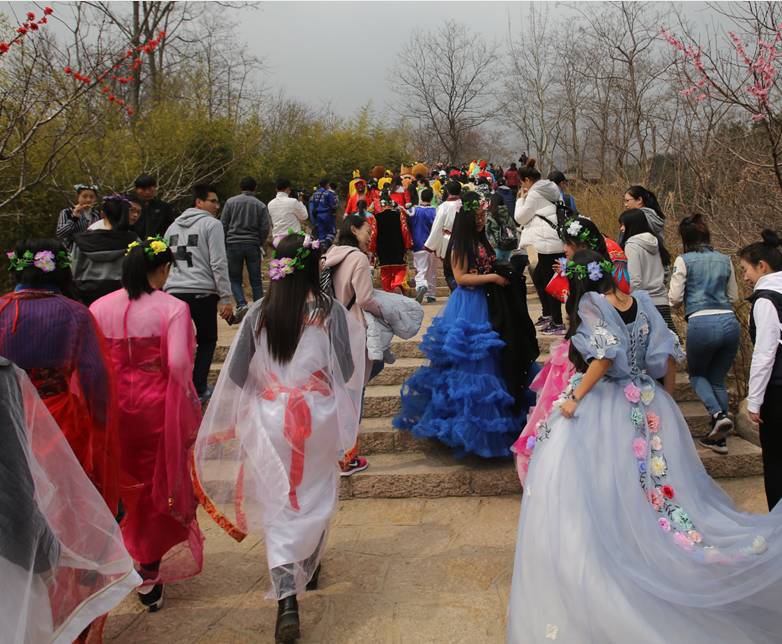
[(460, 398), (623, 535)]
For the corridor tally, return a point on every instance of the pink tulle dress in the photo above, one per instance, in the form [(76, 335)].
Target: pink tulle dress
[(548, 384), (151, 342)]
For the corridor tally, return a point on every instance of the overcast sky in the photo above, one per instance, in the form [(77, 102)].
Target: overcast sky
[(341, 53)]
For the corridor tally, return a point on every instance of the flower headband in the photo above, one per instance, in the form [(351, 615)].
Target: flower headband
[(85, 186), (44, 260), (153, 246), (575, 229), (595, 271), (279, 268), (470, 207), (116, 197)]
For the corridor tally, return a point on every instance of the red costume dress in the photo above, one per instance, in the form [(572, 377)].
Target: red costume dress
[(55, 340), (152, 344)]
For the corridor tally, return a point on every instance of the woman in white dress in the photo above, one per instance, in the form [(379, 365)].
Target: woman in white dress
[(285, 409)]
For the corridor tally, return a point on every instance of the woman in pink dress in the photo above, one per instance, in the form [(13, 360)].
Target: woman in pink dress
[(151, 342)]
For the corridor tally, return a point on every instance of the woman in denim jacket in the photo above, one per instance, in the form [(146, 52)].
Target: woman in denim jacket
[(704, 282)]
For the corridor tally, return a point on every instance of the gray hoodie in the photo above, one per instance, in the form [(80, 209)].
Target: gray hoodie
[(200, 265), (646, 267)]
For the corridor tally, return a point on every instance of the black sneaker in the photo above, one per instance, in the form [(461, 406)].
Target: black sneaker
[(420, 293), (721, 426), (718, 445), (153, 600)]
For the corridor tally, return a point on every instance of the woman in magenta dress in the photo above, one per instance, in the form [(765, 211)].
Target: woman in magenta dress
[(151, 342)]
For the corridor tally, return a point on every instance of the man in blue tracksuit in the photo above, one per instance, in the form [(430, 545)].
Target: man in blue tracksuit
[(323, 213)]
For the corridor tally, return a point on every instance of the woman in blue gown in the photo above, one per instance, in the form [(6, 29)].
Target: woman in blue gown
[(623, 536), (461, 397)]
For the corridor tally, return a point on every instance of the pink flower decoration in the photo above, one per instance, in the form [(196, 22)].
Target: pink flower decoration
[(653, 421), (664, 524), (639, 448), (683, 541), (655, 498), (632, 393)]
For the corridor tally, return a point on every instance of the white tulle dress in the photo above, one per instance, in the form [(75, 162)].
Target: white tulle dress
[(267, 453), (623, 536)]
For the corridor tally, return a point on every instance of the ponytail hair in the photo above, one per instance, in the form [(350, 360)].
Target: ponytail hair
[(648, 197), (116, 208), (695, 233), (529, 171), (140, 261), (766, 250)]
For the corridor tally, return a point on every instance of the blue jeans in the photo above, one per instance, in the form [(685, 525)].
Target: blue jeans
[(712, 343), (238, 255)]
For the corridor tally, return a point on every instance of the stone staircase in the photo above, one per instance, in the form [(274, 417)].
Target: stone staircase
[(404, 466)]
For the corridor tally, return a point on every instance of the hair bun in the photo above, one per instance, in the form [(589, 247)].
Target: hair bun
[(770, 238), (530, 163)]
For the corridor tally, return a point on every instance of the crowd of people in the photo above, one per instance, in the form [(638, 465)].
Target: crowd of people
[(113, 435)]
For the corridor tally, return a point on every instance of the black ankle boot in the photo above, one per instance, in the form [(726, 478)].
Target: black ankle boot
[(313, 583), (287, 629)]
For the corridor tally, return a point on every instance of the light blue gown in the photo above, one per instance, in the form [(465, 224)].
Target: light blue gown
[(623, 536)]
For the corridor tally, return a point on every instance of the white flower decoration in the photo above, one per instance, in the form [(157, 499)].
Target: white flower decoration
[(574, 228), (759, 545), (552, 630)]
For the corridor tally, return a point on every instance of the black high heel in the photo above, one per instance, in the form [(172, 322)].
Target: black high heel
[(313, 583), (287, 628)]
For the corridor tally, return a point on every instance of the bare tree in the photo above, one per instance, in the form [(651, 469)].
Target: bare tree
[(531, 88), (446, 83)]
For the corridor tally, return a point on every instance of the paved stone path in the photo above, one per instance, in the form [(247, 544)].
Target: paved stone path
[(396, 571)]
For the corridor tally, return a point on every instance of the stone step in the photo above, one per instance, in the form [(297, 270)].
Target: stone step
[(383, 400), (378, 435), (438, 474)]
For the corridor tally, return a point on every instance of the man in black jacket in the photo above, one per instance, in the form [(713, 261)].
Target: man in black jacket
[(156, 215)]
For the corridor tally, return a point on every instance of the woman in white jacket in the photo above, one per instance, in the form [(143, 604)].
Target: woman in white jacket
[(536, 212)]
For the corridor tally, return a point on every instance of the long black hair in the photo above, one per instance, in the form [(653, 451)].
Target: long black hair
[(766, 250), (346, 236), (636, 223), (33, 277), (464, 238), (284, 309), (139, 263), (579, 286), (648, 197), (589, 236)]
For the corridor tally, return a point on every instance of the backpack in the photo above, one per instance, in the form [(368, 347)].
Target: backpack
[(507, 239), (327, 283)]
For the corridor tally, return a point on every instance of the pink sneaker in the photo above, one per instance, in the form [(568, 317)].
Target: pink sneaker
[(358, 464)]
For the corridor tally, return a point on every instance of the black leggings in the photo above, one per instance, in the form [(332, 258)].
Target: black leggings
[(541, 276), (771, 443)]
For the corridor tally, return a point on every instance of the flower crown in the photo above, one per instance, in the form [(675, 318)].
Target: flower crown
[(574, 228), (44, 260), (470, 207), (153, 246), (595, 271), (279, 268)]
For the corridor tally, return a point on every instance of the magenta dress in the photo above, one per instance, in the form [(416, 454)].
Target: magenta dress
[(151, 342), (549, 385)]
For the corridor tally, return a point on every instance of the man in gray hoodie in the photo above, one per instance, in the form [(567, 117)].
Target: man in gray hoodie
[(199, 276), (246, 224)]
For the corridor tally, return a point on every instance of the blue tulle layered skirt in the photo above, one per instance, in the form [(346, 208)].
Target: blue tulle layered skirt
[(461, 399)]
